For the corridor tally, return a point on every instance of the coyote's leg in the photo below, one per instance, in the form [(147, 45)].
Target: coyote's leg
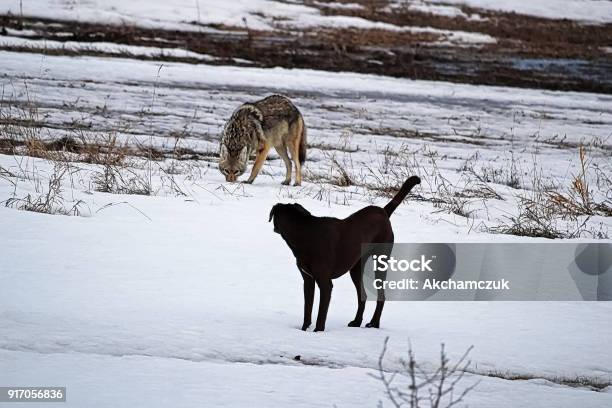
[(262, 153), (282, 152), (295, 156)]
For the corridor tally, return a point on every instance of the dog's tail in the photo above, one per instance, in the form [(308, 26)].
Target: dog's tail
[(399, 197)]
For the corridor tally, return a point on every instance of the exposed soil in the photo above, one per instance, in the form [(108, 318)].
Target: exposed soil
[(87, 152), (530, 52)]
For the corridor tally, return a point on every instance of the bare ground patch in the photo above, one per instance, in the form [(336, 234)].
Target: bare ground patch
[(529, 52)]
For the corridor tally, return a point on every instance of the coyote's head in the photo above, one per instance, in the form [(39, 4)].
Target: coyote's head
[(240, 137)]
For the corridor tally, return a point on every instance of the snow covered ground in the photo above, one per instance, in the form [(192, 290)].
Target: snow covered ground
[(259, 14), (268, 14), (102, 48), (187, 297), (598, 11), (356, 119), (194, 300)]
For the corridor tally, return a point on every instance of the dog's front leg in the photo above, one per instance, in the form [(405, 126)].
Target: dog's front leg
[(309, 288), (325, 290)]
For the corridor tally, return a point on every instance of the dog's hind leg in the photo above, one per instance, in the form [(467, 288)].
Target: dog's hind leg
[(380, 296), (325, 290), (309, 289), (380, 303), (357, 281), (375, 322)]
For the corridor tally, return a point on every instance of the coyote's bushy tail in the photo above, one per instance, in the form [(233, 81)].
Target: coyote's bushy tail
[(399, 197), (302, 151)]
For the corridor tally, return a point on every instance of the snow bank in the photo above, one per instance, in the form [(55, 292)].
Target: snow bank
[(597, 11), (256, 14)]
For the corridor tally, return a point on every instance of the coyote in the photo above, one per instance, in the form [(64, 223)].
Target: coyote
[(256, 127)]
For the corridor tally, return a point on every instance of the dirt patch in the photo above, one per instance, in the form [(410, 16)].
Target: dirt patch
[(530, 52), (525, 35), (86, 152)]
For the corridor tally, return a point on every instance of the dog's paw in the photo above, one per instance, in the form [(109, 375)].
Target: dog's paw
[(319, 329), (286, 182), (305, 326), (296, 184), (355, 323), (375, 325)]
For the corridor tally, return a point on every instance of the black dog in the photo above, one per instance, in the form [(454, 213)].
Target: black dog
[(326, 248)]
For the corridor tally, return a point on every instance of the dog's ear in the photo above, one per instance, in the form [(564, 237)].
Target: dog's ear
[(301, 209), (272, 211)]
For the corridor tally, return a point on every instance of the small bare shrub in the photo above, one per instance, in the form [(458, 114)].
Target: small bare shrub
[(121, 180), (534, 219), (7, 175), (20, 121), (437, 389), (104, 150), (396, 166), (546, 213), (578, 199), (47, 200), (344, 180), (446, 195), (117, 174), (507, 176), (390, 171)]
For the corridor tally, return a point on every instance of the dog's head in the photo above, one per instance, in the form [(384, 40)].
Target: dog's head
[(283, 213)]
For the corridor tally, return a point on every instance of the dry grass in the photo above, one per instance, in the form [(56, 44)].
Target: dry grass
[(49, 198), (578, 199), (535, 220), (115, 166), (344, 179), (453, 197), (19, 130), (548, 213), (121, 180), (128, 168)]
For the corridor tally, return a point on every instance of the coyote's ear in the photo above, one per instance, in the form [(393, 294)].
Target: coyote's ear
[(274, 207), (256, 113)]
